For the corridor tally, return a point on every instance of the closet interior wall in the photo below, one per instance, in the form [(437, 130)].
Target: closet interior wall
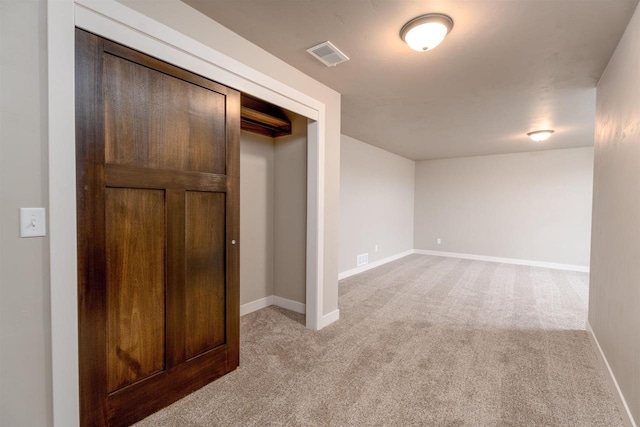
[(273, 215)]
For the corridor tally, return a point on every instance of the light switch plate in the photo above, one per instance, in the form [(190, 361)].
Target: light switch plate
[(33, 222)]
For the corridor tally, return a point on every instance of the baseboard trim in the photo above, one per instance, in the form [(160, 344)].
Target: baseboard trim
[(261, 303), (623, 408), (374, 264), (555, 266), (288, 304), (256, 305), (329, 318)]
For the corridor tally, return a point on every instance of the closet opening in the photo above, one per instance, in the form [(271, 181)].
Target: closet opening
[(273, 207)]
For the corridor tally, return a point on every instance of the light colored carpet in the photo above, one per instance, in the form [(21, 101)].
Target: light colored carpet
[(421, 341)]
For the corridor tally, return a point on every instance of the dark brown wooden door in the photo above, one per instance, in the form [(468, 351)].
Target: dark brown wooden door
[(158, 228)]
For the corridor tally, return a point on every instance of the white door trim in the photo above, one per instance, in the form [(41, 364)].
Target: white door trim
[(121, 24)]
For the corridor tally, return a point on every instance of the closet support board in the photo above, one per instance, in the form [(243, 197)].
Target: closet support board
[(261, 117)]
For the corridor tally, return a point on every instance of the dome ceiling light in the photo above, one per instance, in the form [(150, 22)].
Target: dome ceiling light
[(540, 135), (426, 31)]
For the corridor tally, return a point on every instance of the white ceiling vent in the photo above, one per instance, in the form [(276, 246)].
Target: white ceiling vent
[(328, 54)]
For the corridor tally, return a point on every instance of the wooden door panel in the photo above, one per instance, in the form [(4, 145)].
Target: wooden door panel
[(205, 271), (130, 176), (185, 130), (157, 164), (135, 243), (130, 404)]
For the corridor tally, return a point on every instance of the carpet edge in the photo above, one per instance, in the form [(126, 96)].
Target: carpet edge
[(374, 264), (516, 261)]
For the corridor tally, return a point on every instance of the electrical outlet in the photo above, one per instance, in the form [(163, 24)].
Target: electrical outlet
[(438, 241), (376, 248)]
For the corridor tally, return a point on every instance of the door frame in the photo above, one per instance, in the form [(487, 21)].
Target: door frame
[(115, 21)]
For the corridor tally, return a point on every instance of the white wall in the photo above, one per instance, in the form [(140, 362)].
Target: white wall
[(528, 206), (290, 218), (257, 168), (376, 202), (25, 372), (614, 303)]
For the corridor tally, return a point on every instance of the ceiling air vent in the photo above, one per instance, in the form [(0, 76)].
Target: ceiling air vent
[(328, 54)]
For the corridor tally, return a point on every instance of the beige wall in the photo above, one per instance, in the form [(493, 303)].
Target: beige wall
[(256, 216), (273, 214), (614, 303), (188, 21), (376, 202), (290, 218), (25, 373), (530, 206)]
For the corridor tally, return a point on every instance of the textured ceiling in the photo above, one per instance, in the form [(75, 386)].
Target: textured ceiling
[(508, 67)]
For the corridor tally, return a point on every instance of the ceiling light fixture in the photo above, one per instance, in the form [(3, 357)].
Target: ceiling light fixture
[(426, 31), (540, 135)]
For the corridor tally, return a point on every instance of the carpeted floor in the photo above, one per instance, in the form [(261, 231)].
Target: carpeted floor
[(421, 341)]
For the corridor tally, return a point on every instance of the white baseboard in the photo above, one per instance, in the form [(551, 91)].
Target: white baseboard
[(623, 408), (261, 303), (374, 264), (556, 266), (569, 267), (329, 318), (256, 305), (288, 304)]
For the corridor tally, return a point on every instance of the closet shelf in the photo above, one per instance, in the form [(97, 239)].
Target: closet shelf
[(260, 117)]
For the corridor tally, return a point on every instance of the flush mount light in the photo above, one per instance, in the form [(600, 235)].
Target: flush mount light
[(540, 135), (426, 31)]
